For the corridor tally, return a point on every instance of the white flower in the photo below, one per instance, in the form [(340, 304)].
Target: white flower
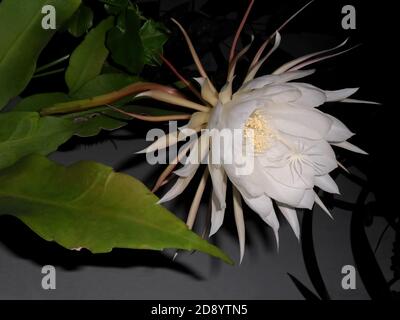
[(290, 137)]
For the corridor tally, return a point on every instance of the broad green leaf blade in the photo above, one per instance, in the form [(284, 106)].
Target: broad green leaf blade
[(22, 40), (104, 83), (88, 205), (38, 101), (91, 123), (81, 21), (88, 58), (23, 133), (154, 36), (125, 43)]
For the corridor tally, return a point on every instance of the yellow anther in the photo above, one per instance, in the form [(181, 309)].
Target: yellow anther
[(257, 131)]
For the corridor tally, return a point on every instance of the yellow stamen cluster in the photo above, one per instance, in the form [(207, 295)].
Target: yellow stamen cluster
[(256, 129)]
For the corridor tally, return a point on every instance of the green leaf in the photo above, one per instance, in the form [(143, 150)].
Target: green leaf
[(154, 36), (88, 205), (23, 133), (38, 101), (125, 43), (81, 21), (103, 84), (88, 58), (22, 40)]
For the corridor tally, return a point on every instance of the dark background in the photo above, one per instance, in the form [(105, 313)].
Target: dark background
[(362, 212)]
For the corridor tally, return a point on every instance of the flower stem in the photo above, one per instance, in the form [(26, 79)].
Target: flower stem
[(109, 98)]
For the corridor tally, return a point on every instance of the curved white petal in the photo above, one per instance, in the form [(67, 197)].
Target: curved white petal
[(319, 202), (321, 157), (300, 122), (217, 214), (338, 131), (311, 96), (179, 186), (338, 95), (360, 101), (162, 142), (197, 155), (219, 181), (271, 78), (260, 182), (307, 201), (326, 183), (349, 146), (218, 205), (239, 219), (264, 208), (295, 174), (291, 216)]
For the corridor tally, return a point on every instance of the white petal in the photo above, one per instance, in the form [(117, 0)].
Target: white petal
[(338, 131), (343, 167), (268, 79), (279, 93), (291, 216), (359, 101), (311, 96), (321, 157), (218, 205), (186, 170), (338, 95), (239, 219), (321, 204), (326, 183), (300, 122), (191, 163), (198, 119), (349, 146), (217, 214), (197, 155), (219, 181), (179, 186), (260, 182), (194, 208), (308, 200), (161, 143), (294, 174), (263, 206)]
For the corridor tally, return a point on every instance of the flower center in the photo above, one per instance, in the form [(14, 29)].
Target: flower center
[(258, 132)]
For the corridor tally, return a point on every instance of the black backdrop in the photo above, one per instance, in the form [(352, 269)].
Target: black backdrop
[(364, 211)]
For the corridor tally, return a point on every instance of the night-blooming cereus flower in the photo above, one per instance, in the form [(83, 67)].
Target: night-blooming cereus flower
[(291, 139)]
